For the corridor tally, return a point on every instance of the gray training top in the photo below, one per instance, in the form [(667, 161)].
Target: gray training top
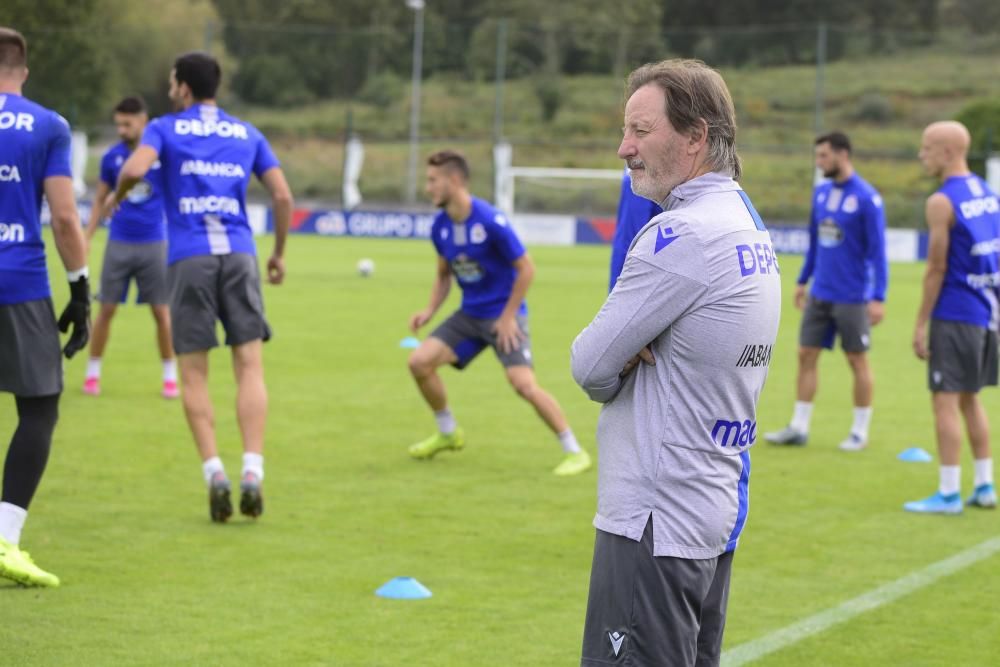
[(701, 286)]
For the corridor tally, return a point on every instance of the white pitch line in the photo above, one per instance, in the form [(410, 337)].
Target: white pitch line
[(807, 627)]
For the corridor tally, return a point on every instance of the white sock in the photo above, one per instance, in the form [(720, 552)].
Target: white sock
[(984, 471), (862, 418), (170, 370), (11, 522), (253, 463), (801, 416), (951, 480), (210, 467), (569, 443), (94, 367), (445, 421)]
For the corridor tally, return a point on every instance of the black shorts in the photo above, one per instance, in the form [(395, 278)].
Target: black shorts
[(145, 262), (963, 357), (207, 288), (467, 336), (822, 321), (653, 610), (30, 352)]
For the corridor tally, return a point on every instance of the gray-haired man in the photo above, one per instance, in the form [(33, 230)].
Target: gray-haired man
[(698, 302)]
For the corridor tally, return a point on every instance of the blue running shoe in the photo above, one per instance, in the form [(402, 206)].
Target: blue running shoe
[(936, 504), (984, 496)]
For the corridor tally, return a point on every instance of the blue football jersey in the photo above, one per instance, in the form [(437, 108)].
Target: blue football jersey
[(207, 158), (139, 219), (634, 212), (34, 145), (481, 252), (846, 257), (969, 291)]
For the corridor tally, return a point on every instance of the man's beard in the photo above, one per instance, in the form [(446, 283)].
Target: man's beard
[(647, 185)]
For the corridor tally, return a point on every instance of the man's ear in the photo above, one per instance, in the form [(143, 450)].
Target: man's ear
[(697, 136)]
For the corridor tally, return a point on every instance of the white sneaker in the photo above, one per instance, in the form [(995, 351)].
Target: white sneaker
[(787, 436), (853, 443)]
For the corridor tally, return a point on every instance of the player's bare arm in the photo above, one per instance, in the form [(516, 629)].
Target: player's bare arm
[(134, 170), (509, 335), (282, 204), (800, 296), (97, 210), (876, 311), (940, 219), (72, 247), (66, 229)]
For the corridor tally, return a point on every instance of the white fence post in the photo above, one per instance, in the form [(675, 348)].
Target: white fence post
[(354, 157), (78, 162), (503, 179), (993, 172)]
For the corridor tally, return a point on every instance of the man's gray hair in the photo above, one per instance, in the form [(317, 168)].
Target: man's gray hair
[(695, 93)]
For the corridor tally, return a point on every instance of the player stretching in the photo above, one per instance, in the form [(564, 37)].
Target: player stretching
[(847, 263), (34, 159), (137, 248), (476, 243), (206, 159), (960, 302)]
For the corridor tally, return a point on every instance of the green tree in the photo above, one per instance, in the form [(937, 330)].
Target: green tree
[(70, 67), (317, 48), (983, 120)]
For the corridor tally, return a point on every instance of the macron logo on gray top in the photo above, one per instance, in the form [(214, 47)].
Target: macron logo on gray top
[(664, 238)]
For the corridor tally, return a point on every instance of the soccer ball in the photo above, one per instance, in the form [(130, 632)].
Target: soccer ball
[(366, 267)]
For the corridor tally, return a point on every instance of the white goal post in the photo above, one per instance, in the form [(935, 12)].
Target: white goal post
[(505, 174)]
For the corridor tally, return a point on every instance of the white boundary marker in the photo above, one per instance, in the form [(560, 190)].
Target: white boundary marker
[(807, 627)]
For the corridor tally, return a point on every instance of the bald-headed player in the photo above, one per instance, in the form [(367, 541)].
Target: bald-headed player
[(960, 304), (475, 243)]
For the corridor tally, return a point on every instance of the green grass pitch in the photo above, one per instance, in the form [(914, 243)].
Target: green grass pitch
[(504, 545)]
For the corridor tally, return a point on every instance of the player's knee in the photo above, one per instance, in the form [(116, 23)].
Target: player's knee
[(808, 356), (525, 388), (858, 362), (196, 406), (39, 415), (420, 365), (107, 311), (967, 400)]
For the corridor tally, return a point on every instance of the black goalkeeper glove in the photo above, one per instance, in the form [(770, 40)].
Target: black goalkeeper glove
[(77, 313)]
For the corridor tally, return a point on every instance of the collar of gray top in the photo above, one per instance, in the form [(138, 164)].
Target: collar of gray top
[(713, 181)]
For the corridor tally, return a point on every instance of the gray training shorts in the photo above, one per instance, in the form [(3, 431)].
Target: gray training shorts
[(963, 357), (206, 288), (822, 321), (146, 262), (467, 336), (653, 610), (30, 353)]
